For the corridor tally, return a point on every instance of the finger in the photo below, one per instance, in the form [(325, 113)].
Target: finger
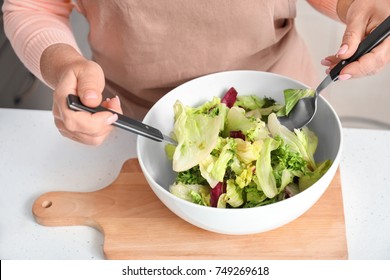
[(370, 63), (93, 125), (113, 104), (90, 84), (81, 122), (353, 35), (87, 140), (63, 131), (330, 61), (83, 138), (87, 123)]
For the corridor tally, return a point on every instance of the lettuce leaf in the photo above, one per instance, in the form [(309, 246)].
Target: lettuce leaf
[(226, 154), (191, 176), (205, 167), (195, 138), (311, 177), (265, 179), (302, 141), (233, 194), (252, 102), (198, 194), (253, 128), (292, 96), (246, 151)]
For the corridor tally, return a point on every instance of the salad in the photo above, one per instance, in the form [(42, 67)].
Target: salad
[(234, 153)]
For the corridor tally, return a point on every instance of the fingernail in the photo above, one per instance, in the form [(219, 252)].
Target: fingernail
[(327, 71), (345, 77), (119, 101), (89, 94), (343, 49), (111, 119), (326, 62)]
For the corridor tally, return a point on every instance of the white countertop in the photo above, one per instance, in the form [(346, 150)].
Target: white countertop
[(35, 159)]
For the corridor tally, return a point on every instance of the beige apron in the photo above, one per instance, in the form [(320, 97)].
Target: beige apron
[(146, 48)]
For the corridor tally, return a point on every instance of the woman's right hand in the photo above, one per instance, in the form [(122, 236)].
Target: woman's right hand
[(65, 70)]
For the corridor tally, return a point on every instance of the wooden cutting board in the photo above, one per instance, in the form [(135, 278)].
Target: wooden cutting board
[(136, 225)]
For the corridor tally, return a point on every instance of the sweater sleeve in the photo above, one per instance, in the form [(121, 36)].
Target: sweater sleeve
[(33, 25), (326, 7)]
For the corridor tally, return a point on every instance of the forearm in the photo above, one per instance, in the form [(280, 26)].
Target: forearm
[(336, 9), (32, 26)]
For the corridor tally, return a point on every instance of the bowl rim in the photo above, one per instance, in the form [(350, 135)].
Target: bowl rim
[(332, 169)]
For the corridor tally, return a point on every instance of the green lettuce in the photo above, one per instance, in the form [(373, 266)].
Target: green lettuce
[(245, 177), (286, 165), (246, 151), (255, 197), (234, 194), (265, 178), (226, 154), (191, 176), (313, 176), (253, 128), (214, 166), (206, 166), (241, 156), (252, 102), (194, 137), (291, 98), (301, 141), (198, 194)]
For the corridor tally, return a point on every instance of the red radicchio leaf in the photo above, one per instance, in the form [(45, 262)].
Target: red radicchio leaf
[(237, 134), (216, 192), (230, 97)]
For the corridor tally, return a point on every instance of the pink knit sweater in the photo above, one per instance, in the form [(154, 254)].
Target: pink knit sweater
[(149, 47)]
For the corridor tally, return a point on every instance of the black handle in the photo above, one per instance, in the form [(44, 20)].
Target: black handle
[(123, 122), (380, 33)]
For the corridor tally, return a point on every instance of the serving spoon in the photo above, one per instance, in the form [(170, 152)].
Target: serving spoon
[(305, 109), (123, 122)]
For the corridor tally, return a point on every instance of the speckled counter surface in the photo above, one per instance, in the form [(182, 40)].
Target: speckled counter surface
[(365, 177), (35, 158)]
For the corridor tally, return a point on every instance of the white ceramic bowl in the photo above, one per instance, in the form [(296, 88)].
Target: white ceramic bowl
[(158, 169)]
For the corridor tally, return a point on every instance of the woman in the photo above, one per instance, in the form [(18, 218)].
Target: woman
[(143, 49)]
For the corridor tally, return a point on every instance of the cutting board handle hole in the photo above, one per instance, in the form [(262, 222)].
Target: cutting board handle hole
[(47, 204)]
